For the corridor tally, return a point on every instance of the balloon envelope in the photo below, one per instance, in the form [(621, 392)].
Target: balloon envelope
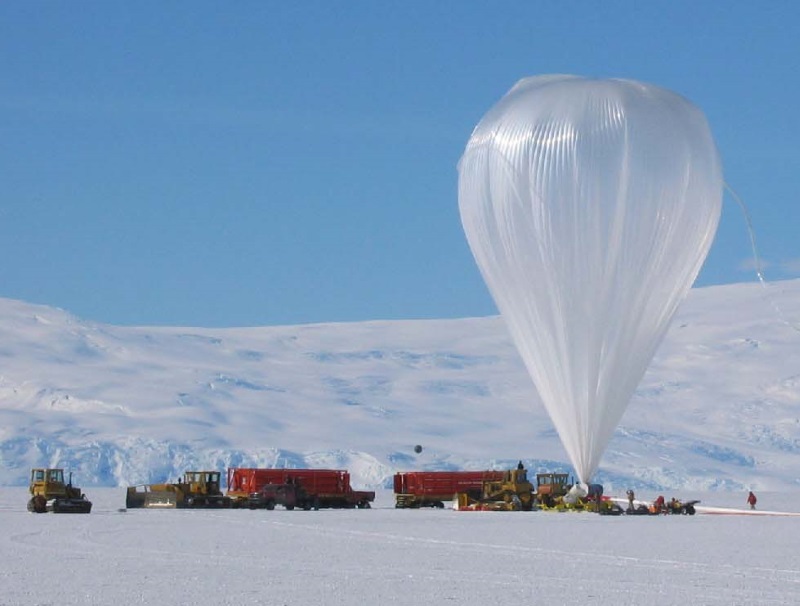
[(589, 206)]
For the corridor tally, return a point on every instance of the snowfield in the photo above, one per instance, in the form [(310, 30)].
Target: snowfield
[(718, 409), (717, 413), (388, 556)]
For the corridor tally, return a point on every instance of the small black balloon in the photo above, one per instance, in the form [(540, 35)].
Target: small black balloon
[(418, 449)]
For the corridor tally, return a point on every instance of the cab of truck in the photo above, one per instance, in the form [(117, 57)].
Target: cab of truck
[(203, 482)]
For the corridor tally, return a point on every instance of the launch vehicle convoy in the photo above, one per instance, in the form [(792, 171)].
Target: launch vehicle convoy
[(259, 488)]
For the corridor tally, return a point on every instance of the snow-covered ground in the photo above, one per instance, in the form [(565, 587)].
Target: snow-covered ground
[(388, 556), (718, 409)]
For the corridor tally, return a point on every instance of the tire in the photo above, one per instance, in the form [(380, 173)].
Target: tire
[(270, 504)]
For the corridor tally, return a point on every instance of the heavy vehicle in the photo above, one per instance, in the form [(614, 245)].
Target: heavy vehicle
[(550, 488), (49, 492), (287, 495), (513, 492), (196, 489), (558, 492), (414, 489), (324, 488)]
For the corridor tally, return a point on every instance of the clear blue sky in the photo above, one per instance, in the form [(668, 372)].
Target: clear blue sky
[(263, 163)]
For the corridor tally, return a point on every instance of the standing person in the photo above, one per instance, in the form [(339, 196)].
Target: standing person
[(752, 500), (631, 497)]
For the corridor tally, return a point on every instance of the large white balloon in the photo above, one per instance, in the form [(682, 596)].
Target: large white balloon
[(590, 206)]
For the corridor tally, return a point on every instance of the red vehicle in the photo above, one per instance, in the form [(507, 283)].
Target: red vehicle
[(324, 487), (433, 488), (287, 495)]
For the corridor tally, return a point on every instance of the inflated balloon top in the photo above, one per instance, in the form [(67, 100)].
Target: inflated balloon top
[(590, 206)]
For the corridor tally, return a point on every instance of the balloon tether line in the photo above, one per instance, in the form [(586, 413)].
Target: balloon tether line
[(757, 258)]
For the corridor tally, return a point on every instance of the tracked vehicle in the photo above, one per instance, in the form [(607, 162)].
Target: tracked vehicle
[(196, 489), (49, 492), (511, 492)]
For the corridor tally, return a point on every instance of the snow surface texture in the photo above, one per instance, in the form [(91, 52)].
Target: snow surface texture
[(388, 556), (718, 409)]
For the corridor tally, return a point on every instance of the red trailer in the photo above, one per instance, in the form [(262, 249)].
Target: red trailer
[(327, 487), (432, 488)]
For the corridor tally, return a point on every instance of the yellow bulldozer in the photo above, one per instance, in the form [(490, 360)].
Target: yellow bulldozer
[(196, 489), (511, 493), (49, 492), (553, 492)]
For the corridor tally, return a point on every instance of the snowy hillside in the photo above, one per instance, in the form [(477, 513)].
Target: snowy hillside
[(719, 407)]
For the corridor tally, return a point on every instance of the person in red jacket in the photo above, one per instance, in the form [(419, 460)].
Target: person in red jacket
[(752, 500)]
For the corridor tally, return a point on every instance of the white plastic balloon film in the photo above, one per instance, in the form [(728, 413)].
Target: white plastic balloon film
[(590, 206)]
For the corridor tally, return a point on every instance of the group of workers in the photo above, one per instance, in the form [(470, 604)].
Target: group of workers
[(659, 505)]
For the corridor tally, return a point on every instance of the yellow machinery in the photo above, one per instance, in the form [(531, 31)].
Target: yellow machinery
[(551, 488), (197, 489), (555, 492), (511, 493), (514, 492), (49, 492)]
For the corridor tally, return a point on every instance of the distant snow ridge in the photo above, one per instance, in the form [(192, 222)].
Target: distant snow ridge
[(719, 408), (138, 461)]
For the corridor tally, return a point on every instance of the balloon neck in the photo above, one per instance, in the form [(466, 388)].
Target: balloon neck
[(581, 480)]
